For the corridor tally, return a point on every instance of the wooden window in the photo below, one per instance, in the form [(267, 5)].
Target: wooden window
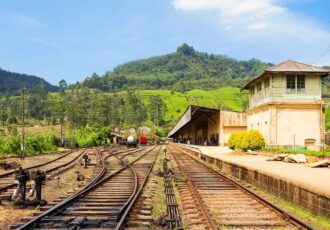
[(290, 83), (252, 90), (266, 82), (301, 83), (259, 87)]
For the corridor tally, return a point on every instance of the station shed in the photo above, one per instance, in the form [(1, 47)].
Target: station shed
[(207, 126)]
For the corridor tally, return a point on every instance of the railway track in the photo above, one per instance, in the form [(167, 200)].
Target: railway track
[(51, 168), (105, 201), (211, 200)]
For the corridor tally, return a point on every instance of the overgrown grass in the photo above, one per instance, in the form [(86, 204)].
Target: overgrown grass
[(306, 152), (35, 144), (159, 208)]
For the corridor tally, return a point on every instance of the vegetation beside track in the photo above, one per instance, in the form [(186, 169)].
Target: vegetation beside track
[(296, 151), (159, 203), (10, 144)]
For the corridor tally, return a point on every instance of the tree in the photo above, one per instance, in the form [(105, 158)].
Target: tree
[(3, 113), (134, 112), (157, 109), (62, 85), (185, 49)]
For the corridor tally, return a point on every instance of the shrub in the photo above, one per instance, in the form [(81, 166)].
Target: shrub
[(252, 140), (235, 140), (35, 144), (86, 137), (246, 140)]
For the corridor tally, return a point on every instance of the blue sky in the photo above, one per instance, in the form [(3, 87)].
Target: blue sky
[(71, 39)]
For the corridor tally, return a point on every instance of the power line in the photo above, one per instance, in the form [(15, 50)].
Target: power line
[(327, 50)]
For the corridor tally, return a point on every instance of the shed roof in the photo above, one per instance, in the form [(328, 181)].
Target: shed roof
[(290, 66), (193, 112)]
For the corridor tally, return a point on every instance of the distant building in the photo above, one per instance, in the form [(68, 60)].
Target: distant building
[(286, 105), (201, 125)]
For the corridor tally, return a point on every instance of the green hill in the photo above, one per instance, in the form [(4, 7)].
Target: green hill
[(177, 102), (183, 70), (12, 83)]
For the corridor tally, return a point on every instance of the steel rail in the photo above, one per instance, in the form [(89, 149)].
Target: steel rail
[(5, 187), (204, 210), (71, 199), (294, 220), (134, 191), (130, 205), (56, 207), (39, 165)]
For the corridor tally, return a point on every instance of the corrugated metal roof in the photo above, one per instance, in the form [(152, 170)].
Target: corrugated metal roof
[(290, 66)]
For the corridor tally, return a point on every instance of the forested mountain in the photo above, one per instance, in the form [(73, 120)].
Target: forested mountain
[(12, 83), (182, 70)]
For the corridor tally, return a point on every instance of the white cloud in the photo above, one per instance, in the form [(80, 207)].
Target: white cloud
[(248, 13), (278, 33), (258, 26)]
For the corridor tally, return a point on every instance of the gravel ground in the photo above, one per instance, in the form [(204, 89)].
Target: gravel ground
[(56, 188)]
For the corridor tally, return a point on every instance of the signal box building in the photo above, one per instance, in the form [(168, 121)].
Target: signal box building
[(201, 125), (286, 105)]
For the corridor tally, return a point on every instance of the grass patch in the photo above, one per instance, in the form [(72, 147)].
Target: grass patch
[(159, 208), (295, 151)]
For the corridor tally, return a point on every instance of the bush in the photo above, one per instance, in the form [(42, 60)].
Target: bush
[(252, 140), (86, 137), (35, 144), (246, 140), (235, 140)]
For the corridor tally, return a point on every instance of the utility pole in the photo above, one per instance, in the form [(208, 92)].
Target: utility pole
[(61, 128), (23, 125)]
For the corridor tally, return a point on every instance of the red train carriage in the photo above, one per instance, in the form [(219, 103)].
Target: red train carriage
[(143, 140)]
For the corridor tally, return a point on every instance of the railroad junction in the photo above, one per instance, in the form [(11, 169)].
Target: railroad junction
[(173, 186)]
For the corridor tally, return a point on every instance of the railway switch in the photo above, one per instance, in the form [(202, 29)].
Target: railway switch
[(38, 178), (82, 221), (19, 195)]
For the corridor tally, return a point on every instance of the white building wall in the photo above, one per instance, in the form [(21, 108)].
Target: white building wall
[(297, 125), (283, 127), (260, 121)]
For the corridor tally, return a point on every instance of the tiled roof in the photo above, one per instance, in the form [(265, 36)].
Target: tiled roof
[(294, 66), (290, 66)]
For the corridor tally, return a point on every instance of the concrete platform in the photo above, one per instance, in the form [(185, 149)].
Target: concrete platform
[(295, 182)]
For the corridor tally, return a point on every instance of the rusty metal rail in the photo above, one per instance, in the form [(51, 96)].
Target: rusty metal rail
[(122, 221), (207, 216), (7, 180), (236, 205), (100, 202), (10, 173)]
